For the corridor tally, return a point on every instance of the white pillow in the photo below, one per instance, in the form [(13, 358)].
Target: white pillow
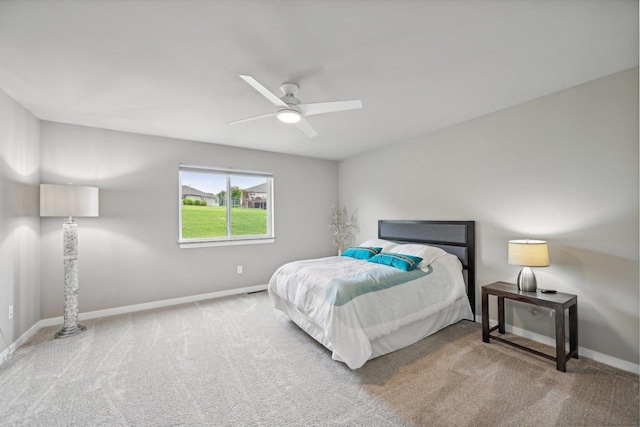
[(379, 243), (427, 253)]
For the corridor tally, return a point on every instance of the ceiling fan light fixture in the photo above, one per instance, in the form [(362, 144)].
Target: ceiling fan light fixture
[(288, 115)]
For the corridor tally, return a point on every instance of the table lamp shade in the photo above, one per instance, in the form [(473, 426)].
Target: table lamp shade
[(529, 253), (68, 200)]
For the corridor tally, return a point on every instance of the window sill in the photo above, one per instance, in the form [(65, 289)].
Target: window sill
[(210, 243)]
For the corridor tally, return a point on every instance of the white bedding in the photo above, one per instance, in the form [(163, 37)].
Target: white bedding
[(350, 314)]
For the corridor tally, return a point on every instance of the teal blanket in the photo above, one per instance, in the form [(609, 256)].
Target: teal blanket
[(343, 289)]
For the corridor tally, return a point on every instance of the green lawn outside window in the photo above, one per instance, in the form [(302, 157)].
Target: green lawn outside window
[(211, 221)]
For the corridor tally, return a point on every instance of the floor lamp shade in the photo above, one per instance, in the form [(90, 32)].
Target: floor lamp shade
[(69, 201), (528, 253)]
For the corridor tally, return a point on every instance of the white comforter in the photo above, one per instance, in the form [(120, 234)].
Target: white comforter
[(353, 302)]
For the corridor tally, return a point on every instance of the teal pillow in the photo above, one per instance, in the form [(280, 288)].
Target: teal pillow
[(400, 261), (361, 252)]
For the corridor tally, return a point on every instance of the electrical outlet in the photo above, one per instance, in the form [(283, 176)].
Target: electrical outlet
[(11, 312), (536, 314), (239, 269)]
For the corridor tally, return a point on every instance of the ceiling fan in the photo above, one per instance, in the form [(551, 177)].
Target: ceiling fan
[(290, 110)]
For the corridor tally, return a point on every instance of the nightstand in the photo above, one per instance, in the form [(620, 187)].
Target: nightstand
[(557, 302)]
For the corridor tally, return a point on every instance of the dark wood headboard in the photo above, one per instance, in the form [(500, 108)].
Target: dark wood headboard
[(455, 237)]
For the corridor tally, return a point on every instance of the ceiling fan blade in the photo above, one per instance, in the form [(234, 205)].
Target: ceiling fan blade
[(329, 107), (262, 116), (264, 91), (305, 127)]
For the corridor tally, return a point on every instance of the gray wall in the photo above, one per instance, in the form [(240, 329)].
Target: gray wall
[(19, 219), (563, 168), (130, 254)]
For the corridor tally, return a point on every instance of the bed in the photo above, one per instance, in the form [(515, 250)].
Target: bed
[(360, 310)]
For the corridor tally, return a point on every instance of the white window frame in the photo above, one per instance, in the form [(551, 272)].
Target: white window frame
[(229, 239)]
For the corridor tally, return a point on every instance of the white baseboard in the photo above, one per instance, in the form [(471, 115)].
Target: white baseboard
[(52, 321), (17, 343), (582, 351)]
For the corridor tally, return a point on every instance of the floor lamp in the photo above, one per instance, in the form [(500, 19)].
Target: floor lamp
[(69, 201)]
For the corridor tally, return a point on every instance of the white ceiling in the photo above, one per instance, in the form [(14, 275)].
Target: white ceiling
[(171, 68)]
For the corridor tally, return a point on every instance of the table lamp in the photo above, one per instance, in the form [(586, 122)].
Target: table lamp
[(69, 201), (528, 253)]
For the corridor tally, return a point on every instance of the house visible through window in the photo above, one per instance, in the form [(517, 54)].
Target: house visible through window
[(220, 205)]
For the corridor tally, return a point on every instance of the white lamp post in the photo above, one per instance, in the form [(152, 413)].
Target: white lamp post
[(69, 201)]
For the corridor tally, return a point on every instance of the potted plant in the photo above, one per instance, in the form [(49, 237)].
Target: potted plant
[(343, 226)]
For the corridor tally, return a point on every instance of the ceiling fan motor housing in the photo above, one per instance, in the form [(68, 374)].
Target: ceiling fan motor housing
[(290, 90)]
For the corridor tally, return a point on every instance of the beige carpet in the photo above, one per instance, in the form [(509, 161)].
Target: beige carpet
[(235, 361)]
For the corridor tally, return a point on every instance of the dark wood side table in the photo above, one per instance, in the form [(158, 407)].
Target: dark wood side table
[(557, 302)]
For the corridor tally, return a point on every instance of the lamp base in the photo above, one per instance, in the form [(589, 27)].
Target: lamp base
[(527, 280), (71, 331)]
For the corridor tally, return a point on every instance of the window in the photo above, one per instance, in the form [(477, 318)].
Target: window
[(221, 206)]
